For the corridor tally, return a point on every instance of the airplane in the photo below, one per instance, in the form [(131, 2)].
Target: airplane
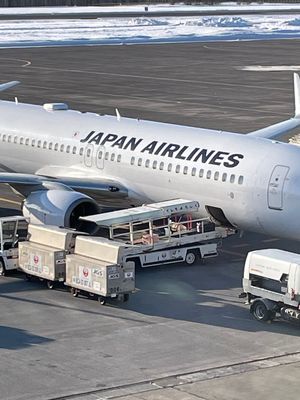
[(65, 164)]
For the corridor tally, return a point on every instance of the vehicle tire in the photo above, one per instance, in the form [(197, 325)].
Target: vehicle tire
[(2, 268), (50, 285), (125, 297), (191, 257), (28, 278), (260, 312), (102, 300), (74, 292)]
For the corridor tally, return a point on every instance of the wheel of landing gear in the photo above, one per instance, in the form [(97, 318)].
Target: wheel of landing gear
[(102, 300), (74, 292), (28, 277), (2, 268), (125, 297), (50, 285)]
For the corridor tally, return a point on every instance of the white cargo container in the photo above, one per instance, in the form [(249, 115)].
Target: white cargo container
[(99, 268), (44, 254), (272, 284)]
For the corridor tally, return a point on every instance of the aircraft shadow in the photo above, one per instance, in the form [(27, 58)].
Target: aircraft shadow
[(15, 338)]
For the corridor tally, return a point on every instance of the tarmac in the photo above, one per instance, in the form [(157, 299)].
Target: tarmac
[(184, 334)]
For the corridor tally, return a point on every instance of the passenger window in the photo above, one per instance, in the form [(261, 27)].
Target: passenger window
[(201, 173), (112, 157), (39, 143), (56, 147), (177, 170), (216, 176), (74, 150), (33, 142), (169, 167), (147, 163), (119, 158), (100, 154), (106, 157), (27, 142), (185, 170), (161, 166), (194, 170), (88, 153), (154, 165), (9, 138), (44, 145), (140, 162), (68, 149), (241, 180), (208, 174), (62, 147), (4, 138), (50, 146), (224, 177), (132, 160), (16, 139), (232, 178), (21, 140), (81, 151)]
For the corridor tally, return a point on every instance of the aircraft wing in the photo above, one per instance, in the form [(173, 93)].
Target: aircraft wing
[(283, 128), (101, 189)]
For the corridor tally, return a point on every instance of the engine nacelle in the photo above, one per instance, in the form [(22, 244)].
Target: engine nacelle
[(60, 208)]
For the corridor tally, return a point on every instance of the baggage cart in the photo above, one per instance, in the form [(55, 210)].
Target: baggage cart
[(99, 279)]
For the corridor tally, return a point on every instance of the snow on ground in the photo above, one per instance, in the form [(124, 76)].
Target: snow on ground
[(52, 32)]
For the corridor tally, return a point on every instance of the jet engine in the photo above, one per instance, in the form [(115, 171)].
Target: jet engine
[(61, 208)]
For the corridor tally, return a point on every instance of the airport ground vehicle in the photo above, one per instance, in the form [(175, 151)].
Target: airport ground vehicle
[(44, 254), (162, 233), (98, 269), (12, 231), (272, 284)]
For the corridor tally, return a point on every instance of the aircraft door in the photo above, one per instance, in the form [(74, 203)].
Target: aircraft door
[(88, 155), (100, 157), (276, 185)]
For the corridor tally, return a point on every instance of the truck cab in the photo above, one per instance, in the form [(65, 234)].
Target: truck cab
[(12, 230)]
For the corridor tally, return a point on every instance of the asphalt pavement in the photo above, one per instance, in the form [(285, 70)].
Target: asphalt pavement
[(184, 334)]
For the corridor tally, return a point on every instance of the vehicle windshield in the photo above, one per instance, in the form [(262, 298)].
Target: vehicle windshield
[(8, 229)]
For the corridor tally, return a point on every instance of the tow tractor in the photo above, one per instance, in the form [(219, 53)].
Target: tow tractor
[(161, 233), (12, 231), (271, 284)]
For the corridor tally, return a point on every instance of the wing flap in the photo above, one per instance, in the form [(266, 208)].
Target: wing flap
[(100, 189)]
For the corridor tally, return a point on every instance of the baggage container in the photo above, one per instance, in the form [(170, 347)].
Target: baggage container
[(44, 255), (59, 238), (98, 278), (45, 262)]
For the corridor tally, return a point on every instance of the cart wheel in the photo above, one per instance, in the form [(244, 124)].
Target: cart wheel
[(190, 257), (125, 297), (102, 300), (74, 292), (2, 268), (260, 312), (50, 285)]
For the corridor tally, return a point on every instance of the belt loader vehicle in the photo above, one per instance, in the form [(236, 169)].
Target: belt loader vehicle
[(98, 269), (12, 231), (162, 233), (44, 254), (272, 284)]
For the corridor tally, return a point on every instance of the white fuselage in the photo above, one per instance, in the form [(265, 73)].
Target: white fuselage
[(254, 181)]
